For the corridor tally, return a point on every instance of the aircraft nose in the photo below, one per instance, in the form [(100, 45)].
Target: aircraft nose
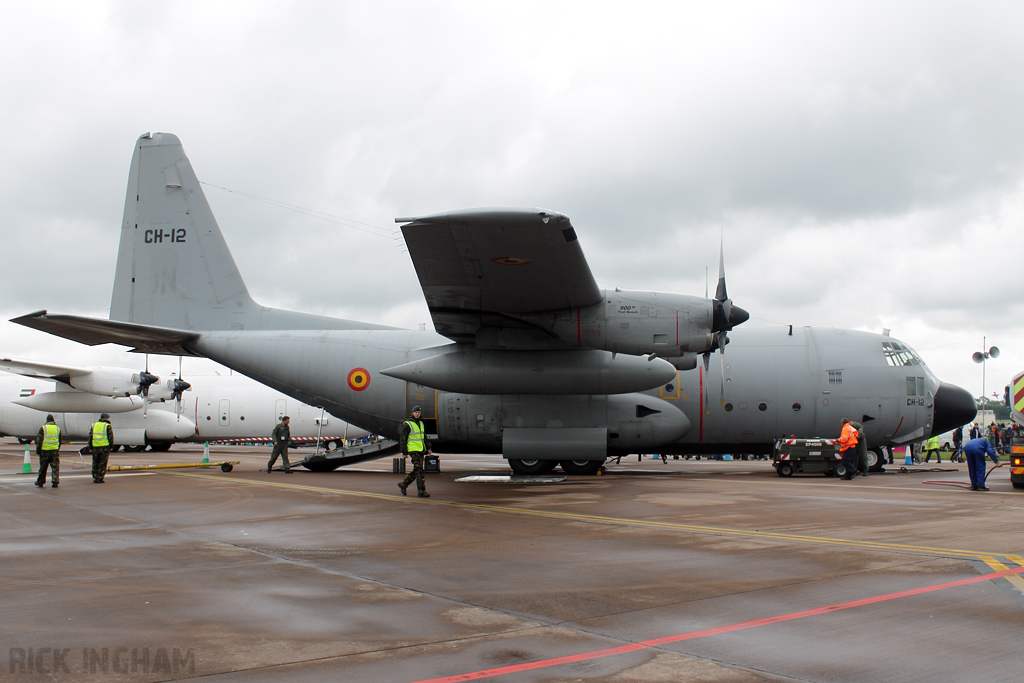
[(953, 407)]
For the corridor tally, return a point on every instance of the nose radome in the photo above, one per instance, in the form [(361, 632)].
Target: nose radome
[(953, 407)]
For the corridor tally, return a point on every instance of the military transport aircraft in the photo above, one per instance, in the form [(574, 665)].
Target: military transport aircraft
[(530, 359), (145, 411)]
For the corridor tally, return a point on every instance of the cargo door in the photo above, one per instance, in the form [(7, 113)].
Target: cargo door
[(425, 398)]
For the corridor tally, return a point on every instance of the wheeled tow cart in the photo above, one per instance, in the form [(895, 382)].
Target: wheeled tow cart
[(808, 456)]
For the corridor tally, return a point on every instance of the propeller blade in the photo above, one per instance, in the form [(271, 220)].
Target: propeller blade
[(707, 369), (721, 352), (720, 293)]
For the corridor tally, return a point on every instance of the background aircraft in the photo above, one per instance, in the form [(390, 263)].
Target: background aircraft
[(208, 408), (535, 362)]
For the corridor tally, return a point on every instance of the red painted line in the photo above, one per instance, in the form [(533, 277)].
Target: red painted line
[(691, 635), (897, 428)]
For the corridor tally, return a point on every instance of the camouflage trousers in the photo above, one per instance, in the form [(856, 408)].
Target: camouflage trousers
[(49, 459), (99, 462), (417, 473)]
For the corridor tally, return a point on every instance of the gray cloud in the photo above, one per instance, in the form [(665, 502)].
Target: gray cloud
[(813, 136)]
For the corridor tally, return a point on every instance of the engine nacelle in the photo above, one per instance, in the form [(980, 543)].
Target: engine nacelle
[(108, 382), (637, 322)]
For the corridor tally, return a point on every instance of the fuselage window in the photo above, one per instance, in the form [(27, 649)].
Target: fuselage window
[(915, 386)]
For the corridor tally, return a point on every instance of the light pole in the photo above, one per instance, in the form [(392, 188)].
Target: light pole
[(981, 357)]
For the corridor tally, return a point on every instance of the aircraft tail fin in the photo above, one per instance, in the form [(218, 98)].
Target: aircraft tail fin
[(174, 269)]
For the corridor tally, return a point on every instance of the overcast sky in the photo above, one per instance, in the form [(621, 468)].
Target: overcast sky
[(864, 161)]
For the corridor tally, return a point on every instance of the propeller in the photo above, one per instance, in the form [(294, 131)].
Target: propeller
[(146, 380), (177, 389), (726, 316)]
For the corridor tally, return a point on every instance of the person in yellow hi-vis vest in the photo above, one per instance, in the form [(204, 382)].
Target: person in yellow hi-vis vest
[(48, 450), (413, 438), (932, 446), (100, 439)]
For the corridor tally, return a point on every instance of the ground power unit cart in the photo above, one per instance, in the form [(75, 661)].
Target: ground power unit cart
[(808, 456)]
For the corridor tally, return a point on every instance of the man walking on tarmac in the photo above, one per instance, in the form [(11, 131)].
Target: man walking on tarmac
[(100, 438), (975, 450), (848, 449), (862, 449), (413, 438), (958, 445), (932, 446), (281, 437), (48, 450)]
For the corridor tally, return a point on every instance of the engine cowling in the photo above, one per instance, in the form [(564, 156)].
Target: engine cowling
[(637, 322), (108, 382)]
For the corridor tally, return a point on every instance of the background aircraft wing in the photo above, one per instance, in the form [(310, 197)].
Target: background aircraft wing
[(483, 267), (30, 368), (95, 331)]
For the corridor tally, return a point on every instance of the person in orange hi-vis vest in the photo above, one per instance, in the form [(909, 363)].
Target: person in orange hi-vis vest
[(848, 449)]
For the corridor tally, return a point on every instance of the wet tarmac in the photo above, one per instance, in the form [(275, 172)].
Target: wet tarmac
[(695, 571)]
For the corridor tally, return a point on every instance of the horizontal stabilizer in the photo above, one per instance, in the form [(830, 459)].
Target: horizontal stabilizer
[(95, 331)]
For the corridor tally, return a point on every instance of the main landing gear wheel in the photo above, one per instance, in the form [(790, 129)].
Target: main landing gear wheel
[(582, 468), (528, 467), (785, 470), (875, 461)]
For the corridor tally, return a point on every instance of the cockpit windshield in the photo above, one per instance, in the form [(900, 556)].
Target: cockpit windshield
[(899, 355)]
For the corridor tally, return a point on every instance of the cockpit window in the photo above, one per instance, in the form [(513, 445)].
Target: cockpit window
[(898, 355)]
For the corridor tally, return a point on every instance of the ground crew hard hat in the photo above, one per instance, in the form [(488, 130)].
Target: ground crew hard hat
[(417, 409), (104, 416)]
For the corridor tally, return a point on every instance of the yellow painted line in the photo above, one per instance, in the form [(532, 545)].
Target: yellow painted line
[(619, 521), (998, 566)]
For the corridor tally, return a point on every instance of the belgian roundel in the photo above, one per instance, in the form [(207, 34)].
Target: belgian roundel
[(358, 379)]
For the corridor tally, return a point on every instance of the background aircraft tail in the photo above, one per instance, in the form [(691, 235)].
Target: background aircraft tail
[(174, 268)]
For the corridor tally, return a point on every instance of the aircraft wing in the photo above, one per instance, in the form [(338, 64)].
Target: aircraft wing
[(30, 368), (95, 331), (484, 267)]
